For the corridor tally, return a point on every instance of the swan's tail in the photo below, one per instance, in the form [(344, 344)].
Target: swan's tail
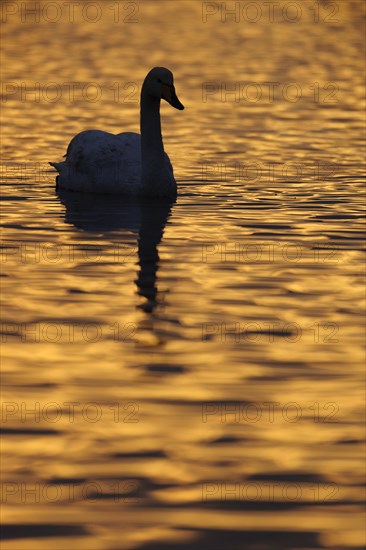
[(57, 165)]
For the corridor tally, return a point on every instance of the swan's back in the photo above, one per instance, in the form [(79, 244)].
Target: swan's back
[(101, 162)]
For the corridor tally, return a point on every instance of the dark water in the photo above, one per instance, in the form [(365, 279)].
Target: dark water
[(195, 369)]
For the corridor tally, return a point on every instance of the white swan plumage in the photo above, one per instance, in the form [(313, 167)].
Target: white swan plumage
[(127, 163)]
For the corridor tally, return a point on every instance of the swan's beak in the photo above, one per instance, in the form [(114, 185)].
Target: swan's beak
[(168, 93)]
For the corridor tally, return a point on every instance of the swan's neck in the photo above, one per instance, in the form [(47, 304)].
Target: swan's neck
[(154, 172), (151, 138)]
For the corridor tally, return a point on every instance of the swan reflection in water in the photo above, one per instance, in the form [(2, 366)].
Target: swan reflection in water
[(144, 217)]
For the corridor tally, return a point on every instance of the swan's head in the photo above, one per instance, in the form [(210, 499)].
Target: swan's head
[(159, 83)]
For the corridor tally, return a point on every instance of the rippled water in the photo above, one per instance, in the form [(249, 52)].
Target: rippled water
[(194, 369)]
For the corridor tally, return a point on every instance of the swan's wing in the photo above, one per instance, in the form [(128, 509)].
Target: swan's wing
[(101, 162), (94, 147)]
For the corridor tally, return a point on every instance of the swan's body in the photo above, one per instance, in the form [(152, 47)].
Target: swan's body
[(127, 163), (100, 162)]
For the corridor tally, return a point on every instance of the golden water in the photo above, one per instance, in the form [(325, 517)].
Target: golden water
[(194, 369)]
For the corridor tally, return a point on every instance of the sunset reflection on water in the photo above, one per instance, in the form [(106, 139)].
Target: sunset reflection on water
[(185, 374)]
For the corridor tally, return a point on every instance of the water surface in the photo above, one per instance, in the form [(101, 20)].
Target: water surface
[(194, 368)]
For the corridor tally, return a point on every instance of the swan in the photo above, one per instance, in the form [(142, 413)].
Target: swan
[(126, 163)]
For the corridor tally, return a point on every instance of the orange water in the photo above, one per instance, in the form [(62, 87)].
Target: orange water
[(195, 369)]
